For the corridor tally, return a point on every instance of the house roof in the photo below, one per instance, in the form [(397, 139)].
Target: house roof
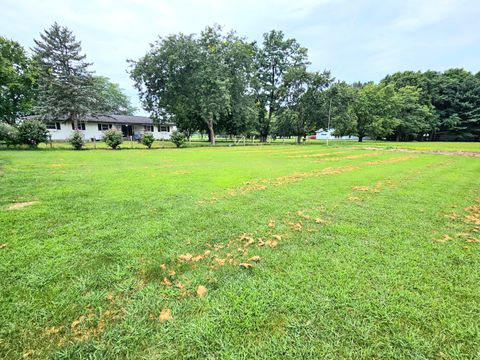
[(325, 130), (120, 119)]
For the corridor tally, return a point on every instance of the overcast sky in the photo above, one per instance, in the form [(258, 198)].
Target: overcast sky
[(358, 40)]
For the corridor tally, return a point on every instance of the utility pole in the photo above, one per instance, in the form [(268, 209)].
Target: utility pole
[(329, 113)]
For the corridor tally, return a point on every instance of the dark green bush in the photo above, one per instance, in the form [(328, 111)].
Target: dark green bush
[(8, 134), (148, 139), (113, 138), (32, 133), (178, 138), (77, 140)]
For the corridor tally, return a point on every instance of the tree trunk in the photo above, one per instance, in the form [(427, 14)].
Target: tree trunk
[(360, 138), (299, 139), (75, 121), (211, 132)]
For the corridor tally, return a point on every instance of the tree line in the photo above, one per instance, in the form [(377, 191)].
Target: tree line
[(219, 82), (53, 81)]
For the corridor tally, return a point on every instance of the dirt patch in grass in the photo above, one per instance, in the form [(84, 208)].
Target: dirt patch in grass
[(471, 221), (338, 158), (390, 161), (240, 252), (316, 155), (473, 216), (439, 152), (21, 205), (373, 189), (165, 314), (264, 184), (360, 188)]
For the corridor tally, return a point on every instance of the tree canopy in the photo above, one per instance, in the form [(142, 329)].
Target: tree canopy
[(273, 59), (110, 97), (219, 82), (66, 87), (17, 81), (200, 82)]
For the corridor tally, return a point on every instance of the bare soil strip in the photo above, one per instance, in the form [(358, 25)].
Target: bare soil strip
[(264, 184), (21, 205)]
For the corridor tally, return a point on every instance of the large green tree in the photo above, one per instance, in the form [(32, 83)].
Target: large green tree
[(196, 81), (301, 98), (164, 78), (335, 108), (239, 63), (454, 96), (273, 59), (373, 112), (457, 101), (17, 81), (427, 85), (66, 86), (110, 97), (414, 118)]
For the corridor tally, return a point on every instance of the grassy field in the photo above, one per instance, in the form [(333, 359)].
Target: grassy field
[(240, 252), (198, 142)]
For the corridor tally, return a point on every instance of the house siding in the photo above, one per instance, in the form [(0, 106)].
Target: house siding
[(91, 131), (328, 135)]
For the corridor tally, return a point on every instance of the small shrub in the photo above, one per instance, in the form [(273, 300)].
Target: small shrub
[(77, 140), (113, 138), (32, 133), (148, 139), (8, 134), (178, 138)]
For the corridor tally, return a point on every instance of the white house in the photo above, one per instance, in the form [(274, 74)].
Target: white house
[(328, 135), (94, 126)]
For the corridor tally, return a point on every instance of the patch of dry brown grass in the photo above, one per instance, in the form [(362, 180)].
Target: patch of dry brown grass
[(21, 205), (264, 184), (472, 221), (349, 157), (391, 160), (317, 155)]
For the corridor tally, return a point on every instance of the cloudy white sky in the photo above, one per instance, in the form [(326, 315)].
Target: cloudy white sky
[(358, 40)]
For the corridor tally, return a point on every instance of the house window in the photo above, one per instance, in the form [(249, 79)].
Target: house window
[(81, 126), (103, 127), (148, 128), (164, 128), (53, 126)]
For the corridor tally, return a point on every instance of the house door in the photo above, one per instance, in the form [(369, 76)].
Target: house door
[(127, 130)]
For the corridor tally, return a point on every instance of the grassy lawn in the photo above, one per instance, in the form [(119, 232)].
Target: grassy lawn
[(197, 142), (240, 252), (410, 145)]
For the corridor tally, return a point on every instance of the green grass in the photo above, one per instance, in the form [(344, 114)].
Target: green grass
[(411, 145), (199, 142), (344, 273)]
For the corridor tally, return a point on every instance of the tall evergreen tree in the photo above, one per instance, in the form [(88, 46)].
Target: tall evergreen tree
[(66, 87)]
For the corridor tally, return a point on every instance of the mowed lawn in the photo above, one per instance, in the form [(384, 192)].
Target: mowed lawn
[(238, 253)]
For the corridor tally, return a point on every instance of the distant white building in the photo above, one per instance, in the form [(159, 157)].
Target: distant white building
[(322, 134), (93, 127)]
